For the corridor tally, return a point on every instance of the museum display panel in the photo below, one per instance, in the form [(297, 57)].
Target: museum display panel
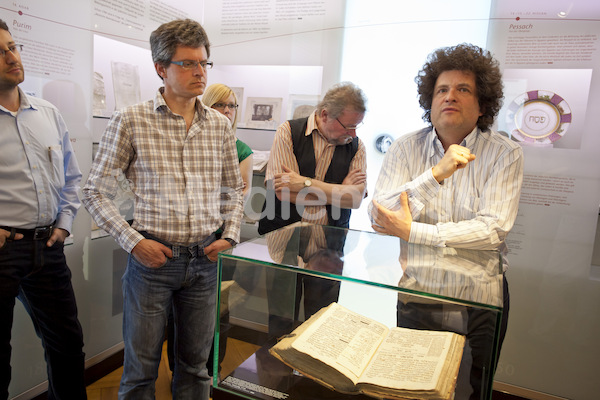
[(75, 51), (273, 284)]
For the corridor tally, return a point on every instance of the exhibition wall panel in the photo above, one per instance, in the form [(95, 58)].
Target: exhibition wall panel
[(92, 56)]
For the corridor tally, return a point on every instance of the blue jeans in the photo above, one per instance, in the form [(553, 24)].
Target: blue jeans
[(39, 277), (188, 283)]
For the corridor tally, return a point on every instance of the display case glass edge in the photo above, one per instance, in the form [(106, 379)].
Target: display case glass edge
[(286, 276)]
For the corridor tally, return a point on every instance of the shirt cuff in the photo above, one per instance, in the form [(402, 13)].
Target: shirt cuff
[(231, 241), (129, 239), (230, 233), (64, 221), (426, 234), (427, 186)]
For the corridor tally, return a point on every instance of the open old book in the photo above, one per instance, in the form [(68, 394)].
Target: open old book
[(353, 354)]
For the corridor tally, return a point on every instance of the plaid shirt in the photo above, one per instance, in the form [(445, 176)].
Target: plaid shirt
[(177, 178)]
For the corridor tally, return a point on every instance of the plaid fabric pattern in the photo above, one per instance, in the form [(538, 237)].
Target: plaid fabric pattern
[(186, 182)]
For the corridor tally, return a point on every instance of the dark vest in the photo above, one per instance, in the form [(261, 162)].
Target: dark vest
[(273, 214)]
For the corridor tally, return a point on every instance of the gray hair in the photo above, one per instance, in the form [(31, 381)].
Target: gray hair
[(341, 96)]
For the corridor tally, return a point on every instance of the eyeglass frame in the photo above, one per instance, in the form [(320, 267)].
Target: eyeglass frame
[(16, 49), (223, 105), (207, 64), (350, 128)]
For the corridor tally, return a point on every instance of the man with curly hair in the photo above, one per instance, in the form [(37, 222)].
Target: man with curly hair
[(457, 182)]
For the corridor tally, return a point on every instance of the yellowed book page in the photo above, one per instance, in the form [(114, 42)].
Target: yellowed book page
[(343, 340), (409, 359)]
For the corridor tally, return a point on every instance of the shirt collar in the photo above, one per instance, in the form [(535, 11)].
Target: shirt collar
[(436, 144), (24, 104), (311, 125), (469, 140), (159, 102)]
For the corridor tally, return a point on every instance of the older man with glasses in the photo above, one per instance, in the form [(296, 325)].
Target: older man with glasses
[(316, 173), (317, 167)]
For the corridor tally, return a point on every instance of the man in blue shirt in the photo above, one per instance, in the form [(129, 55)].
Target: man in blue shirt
[(39, 178)]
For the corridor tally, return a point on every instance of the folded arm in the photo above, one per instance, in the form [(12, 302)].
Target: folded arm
[(290, 186), (435, 218)]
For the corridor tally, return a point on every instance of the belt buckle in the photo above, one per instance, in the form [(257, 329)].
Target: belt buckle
[(42, 233)]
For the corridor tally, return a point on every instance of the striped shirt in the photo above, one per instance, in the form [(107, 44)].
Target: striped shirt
[(282, 153), (471, 275), (475, 208), (283, 250), (177, 175)]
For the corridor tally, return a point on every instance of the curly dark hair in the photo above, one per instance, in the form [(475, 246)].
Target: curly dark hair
[(463, 57)]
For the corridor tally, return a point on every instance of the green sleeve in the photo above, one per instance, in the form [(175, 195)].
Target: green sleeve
[(243, 150)]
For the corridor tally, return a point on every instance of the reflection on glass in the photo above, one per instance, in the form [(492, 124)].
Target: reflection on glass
[(289, 274)]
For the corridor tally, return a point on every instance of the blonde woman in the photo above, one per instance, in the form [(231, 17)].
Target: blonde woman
[(222, 98)]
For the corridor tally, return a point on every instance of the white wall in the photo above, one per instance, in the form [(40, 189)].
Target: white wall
[(380, 45)]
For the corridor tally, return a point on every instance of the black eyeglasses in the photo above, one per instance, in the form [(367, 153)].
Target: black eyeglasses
[(221, 106), (192, 64), (15, 49), (350, 128)]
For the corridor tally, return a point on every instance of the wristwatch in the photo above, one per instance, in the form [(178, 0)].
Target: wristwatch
[(231, 241), (307, 182)]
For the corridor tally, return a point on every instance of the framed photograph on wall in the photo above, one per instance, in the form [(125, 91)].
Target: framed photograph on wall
[(262, 112)]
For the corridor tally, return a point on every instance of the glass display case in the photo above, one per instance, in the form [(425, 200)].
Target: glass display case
[(272, 284)]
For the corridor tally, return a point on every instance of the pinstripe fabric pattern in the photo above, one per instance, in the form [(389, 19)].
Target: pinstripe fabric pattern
[(277, 243), (177, 177), (282, 153), (471, 275), (475, 208)]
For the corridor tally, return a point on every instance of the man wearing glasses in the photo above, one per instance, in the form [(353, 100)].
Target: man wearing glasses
[(181, 159), (39, 180), (316, 173), (317, 166)]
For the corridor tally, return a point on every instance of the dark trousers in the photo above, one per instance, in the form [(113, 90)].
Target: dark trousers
[(480, 327), (39, 277)]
